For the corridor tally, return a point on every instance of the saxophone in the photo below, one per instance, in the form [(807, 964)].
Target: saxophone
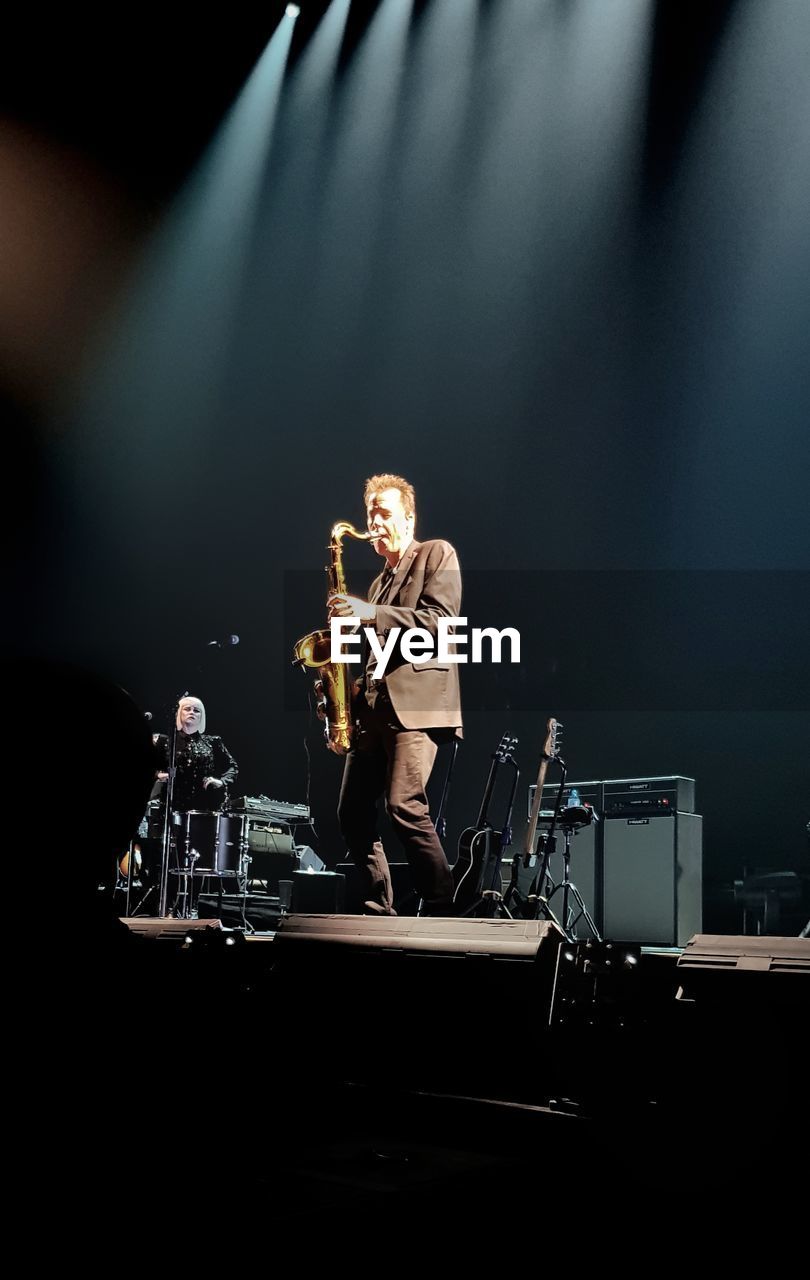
[(314, 650)]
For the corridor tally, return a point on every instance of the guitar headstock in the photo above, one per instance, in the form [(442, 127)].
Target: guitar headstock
[(506, 746), (553, 742)]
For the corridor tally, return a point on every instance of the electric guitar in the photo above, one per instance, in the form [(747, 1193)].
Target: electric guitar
[(475, 843), (550, 751)]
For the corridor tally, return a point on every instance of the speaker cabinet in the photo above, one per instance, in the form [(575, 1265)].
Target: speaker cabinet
[(499, 940), (270, 866), (767, 970), (318, 891), (652, 878), (447, 1005)]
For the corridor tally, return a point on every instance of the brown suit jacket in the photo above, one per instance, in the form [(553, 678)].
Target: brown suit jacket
[(426, 586)]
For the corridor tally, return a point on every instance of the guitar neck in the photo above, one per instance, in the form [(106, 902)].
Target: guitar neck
[(549, 752), (483, 812), (536, 803)]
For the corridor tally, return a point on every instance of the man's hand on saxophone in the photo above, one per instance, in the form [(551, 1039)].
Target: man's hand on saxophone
[(343, 606), (320, 706)]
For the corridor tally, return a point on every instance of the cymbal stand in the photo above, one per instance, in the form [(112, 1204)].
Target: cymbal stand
[(570, 892), (541, 901)]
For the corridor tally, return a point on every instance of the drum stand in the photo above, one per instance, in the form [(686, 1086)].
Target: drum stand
[(184, 904), (185, 907), (242, 881)]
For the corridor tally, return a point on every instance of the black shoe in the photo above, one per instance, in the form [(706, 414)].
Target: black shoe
[(377, 909)]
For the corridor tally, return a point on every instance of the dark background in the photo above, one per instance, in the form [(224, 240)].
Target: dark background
[(547, 260)]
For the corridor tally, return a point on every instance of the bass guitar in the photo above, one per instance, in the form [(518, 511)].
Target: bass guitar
[(550, 752)]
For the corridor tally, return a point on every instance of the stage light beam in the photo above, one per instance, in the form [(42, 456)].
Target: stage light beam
[(159, 372)]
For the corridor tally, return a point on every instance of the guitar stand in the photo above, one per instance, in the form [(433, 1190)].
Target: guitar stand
[(139, 909), (488, 901), (128, 884)]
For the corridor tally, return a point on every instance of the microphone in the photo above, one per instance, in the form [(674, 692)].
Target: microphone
[(223, 644), (147, 715)]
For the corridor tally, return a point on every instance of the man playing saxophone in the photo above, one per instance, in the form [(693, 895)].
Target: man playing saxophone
[(401, 718)]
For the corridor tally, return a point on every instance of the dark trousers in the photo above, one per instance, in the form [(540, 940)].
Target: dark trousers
[(386, 759)]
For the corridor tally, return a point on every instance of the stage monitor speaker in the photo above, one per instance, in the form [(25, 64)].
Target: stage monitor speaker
[(166, 928), (420, 1003), (652, 879), (308, 858), (481, 938), (723, 967), (745, 1002), (318, 891)]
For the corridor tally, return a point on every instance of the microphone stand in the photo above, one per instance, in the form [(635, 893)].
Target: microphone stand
[(167, 813), (130, 873)]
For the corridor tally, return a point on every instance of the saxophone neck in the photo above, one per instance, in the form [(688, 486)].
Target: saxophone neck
[(343, 530)]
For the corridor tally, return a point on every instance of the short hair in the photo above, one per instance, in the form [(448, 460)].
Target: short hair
[(376, 484), (190, 698)]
